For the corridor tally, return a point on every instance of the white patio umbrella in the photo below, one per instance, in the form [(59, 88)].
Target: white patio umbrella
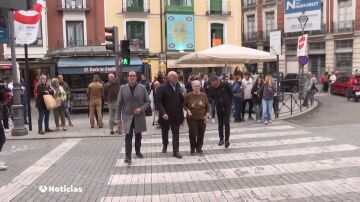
[(226, 54)]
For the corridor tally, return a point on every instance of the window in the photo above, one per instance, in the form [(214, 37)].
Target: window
[(217, 34), (317, 46), (345, 14), (250, 2), (270, 23), (251, 23), (216, 6), (74, 33), (344, 44), (343, 62), (74, 3), (135, 5), (135, 32), (179, 2)]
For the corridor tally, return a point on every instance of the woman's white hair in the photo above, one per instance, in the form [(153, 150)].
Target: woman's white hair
[(195, 82)]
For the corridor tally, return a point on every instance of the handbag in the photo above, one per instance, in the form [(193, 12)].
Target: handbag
[(148, 112), (50, 101)]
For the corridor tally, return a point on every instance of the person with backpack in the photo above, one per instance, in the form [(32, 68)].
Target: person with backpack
[(267, 91)]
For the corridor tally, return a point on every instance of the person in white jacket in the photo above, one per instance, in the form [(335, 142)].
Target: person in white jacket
[(247, 84)]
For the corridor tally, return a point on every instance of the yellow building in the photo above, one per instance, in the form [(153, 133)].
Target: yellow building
[(162, 31)]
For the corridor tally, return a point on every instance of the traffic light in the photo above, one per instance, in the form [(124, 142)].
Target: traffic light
[(125, 51), (112, 39)]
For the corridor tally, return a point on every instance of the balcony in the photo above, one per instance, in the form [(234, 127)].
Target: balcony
[(136, 6), (310, 33), (182, 6), (249, 3), (250, 36), (72, 5), (67, 44), (269, 1), (344, 27), (218, 7)]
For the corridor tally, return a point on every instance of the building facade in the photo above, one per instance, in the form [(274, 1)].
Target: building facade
[(162, 31), (335, 47)]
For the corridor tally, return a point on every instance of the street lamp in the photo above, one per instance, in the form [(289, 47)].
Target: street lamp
[(303, 19)]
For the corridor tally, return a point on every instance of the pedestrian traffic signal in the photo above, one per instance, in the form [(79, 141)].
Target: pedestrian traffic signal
[(125, 51), (112, 39)]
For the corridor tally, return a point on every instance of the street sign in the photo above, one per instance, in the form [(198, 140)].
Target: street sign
[(275, 43), (295, 8), (4, 34), (302, 45), (303, 60)]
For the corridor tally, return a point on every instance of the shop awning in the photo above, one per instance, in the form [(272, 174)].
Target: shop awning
[(88, 65)]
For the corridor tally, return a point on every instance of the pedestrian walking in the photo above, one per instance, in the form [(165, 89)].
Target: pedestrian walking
[(111, 92), (257, 97), (67, 89), (267, 93), (5, 105), (94, 93), (197, 107), (133, 100), (2, 131), (170, 102), (238, 92), (60, 98), (43, 89), (222, 95), (145, 83), (247, 84)]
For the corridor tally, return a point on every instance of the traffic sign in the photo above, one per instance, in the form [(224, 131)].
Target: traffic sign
[(303, 60)]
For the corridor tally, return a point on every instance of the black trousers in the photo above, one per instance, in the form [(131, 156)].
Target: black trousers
[(196, 133), (2, 136), (128, 141), (224, 121), (5, 114), (250, 101), (165, 126), (276, 105)]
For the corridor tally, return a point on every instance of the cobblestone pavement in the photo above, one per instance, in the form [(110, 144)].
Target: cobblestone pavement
[(279, 162)]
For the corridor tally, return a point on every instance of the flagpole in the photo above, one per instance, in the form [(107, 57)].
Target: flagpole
[(19, 128)]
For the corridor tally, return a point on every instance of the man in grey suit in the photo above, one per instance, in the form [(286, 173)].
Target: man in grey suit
[(132, 102)]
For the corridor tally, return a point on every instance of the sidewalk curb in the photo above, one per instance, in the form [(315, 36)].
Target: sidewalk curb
[(153, 132)]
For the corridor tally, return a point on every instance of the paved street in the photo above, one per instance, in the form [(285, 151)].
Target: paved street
[(284, 161)]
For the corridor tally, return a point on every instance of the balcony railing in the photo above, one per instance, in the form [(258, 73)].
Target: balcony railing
[(269, 1), (180, 6), (72, 5), (250, 36), (37, 43), (249, 3), (137, 44), (219, 7), (344, 26), (67, 44), (310, 33), (136, 6), (266, 35)]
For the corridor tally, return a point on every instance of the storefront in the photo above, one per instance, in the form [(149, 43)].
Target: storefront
[(5, 70), (79, 71)]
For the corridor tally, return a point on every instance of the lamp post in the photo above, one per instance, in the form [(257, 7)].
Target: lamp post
[(303, 19)]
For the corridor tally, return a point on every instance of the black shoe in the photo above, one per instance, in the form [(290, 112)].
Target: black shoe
[(192, 152), (41, 132), (250, 118), (227, 144), (139, 155), (177, 155), (164, 149), (112, 132), (221, 143), (128, 161), (26, 123), (48, 130), (200, 152)]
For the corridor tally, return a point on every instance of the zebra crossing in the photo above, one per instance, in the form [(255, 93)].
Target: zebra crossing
[(264, 163)]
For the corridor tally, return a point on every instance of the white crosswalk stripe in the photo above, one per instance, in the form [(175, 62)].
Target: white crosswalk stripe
[(278, 141)]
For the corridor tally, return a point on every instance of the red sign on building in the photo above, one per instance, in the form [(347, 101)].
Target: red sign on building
[(5, 66)]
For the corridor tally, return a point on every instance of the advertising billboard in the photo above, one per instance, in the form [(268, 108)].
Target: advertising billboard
[(180, 32), (4, 34), (294, 8)]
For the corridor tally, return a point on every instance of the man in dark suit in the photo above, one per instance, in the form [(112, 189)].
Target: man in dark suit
[(170, 101)]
